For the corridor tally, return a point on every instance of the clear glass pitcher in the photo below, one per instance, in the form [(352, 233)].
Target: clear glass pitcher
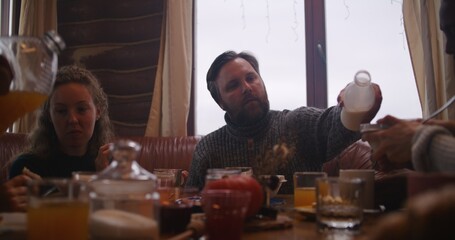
[(28, 66)]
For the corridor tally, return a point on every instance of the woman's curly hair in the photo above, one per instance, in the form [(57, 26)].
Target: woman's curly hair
[(43, 139)]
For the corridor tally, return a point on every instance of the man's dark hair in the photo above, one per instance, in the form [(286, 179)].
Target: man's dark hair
[(219, 62)]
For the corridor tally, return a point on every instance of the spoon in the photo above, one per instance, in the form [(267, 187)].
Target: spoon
[(434, 114)]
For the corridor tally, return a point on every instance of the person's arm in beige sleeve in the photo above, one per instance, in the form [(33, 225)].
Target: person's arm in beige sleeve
[(433, 149)]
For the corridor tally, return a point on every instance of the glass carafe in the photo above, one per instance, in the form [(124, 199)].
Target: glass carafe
[(124, 200), (28, 66)]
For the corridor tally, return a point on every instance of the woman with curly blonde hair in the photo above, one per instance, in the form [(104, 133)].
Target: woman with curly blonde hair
[(72, 130)]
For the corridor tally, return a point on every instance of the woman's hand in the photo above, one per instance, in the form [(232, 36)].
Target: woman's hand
[(392, 146), (185, 175), (13, 194), (30, 174), (102, 161)]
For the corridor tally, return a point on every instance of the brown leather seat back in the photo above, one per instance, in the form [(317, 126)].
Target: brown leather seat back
[(166, 152), (156, 152), (355, 156), (11, 144)]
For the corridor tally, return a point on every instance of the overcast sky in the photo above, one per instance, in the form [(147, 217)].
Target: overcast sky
[(361, 34)]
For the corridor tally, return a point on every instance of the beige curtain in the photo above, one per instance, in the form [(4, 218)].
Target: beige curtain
[(433, 68), (36, 18), (171, 97)]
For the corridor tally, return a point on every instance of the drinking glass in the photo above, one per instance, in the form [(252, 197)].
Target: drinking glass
[(176, 214), (83, 176), (128, 215), (248, 171), (58, 209), (367, 175), (219, 173), (339, 203), (171, 176), (225, 213), (305, 188)]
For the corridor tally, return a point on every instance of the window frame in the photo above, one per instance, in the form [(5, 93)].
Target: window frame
[(316, 67)]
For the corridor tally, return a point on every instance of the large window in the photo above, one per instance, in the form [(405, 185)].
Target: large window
[(370, 35), (360, 35), (272, 30), (8, 11)]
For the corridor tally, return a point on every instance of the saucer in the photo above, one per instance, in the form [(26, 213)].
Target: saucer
[(12, 224), (307, 212), (311, 212)]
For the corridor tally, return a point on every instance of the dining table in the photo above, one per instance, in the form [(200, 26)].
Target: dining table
[(303, 225), (288, 224)]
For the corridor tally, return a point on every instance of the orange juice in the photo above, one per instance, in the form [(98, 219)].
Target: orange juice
[(58, 220), (16, 104), (304, 197)]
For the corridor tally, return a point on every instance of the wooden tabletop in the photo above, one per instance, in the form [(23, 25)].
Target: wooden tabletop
[(304, 226), (291, 225)]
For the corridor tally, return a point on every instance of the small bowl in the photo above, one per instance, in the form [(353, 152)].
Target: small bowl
[(368, 127)]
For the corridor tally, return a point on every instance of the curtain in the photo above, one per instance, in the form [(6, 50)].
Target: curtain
[(171, 97), (36, 18), (433, 68)]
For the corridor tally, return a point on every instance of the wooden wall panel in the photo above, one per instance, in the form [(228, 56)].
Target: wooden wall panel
[(86, 10), (137, 109), (116, 57), (126, 31), (119, 42), (119, 83)]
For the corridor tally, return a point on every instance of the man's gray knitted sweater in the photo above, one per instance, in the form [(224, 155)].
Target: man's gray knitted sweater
[(313, 135)]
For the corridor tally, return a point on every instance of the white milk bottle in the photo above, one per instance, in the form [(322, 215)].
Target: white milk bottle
[(358, 99)]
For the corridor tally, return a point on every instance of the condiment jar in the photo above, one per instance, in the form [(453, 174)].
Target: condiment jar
[(124, 200)]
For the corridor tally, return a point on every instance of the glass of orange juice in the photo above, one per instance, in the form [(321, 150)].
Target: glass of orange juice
[(58, 209), (305, 188)]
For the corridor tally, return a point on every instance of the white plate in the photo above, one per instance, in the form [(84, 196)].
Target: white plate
[(309, 211), (306, 211), (12, 223)]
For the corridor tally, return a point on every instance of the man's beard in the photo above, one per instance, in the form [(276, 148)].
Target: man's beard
[(246, 118)]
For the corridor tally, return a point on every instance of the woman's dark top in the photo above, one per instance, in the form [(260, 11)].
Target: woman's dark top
[(59, 165)]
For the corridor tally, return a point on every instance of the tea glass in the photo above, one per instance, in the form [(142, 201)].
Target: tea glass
[(225, 212), (123, 215), (175, 215), (219, 173), (58, 209), (367, 175), (248, 171), (84, 176), (339, 204), (305, 188), (178, 180)]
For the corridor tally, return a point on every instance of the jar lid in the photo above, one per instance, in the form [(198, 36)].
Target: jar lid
[(54, 41)]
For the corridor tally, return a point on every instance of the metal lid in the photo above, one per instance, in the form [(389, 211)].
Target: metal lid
[(53, 41)]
